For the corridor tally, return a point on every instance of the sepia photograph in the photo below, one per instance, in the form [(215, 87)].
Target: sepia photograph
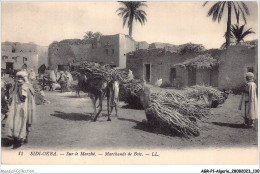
[(129, 82)]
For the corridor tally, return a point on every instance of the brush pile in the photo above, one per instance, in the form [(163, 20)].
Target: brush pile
[(176, 113), (197, 91)]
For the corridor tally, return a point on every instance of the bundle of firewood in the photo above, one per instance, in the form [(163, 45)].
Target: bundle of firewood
[(174, 112), (198, 91)]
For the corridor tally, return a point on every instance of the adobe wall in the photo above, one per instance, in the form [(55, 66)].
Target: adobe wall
[(42, 56), (202, 77), (126, 45), (104, 52), (81, 52), (161, 63), (16, 52), (108, 49), (233, 65), (229, 74), (59, 54)]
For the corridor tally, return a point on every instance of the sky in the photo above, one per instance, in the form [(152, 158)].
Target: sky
[(170, 22)]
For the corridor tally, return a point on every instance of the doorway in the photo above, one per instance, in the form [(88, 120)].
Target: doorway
[(9, 67), (172, 74), (147, 72), (191, 77)]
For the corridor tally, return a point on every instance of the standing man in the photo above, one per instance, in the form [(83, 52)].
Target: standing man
[(22, 111), (248, 103)]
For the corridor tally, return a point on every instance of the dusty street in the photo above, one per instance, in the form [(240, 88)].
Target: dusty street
[(67, 123)]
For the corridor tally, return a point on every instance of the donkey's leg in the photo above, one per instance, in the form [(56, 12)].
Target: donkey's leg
[(116, 110), (109, 110), (93, 99), (100, 106)]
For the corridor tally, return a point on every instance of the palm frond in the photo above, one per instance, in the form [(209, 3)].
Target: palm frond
[(140, 16), (247, 32), (221, 12), (243, 13), (237, 12), (125, 18), (238, 32), (245, 8), (205, 3), (214, 10), (223, 46)]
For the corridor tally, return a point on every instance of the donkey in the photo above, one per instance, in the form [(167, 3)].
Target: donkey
[(97, 88)]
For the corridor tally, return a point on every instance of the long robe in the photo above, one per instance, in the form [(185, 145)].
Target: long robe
[(248, 103), (22, 114)]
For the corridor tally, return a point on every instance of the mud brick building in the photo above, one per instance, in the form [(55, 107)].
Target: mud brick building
[(15, 54), (234, 62), (107, 49)]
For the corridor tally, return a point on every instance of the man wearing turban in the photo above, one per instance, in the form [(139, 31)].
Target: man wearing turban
[(22, 111), (248, 102)]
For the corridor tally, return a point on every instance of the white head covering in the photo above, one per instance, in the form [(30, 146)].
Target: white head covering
[(23, 74), (250, 76)]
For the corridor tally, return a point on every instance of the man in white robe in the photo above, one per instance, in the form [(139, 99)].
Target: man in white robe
[(248, 103)]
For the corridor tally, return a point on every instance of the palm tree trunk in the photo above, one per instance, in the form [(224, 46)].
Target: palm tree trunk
[(228, 25), (130, 30), (130, 26)]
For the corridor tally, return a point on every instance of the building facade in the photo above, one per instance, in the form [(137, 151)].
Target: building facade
[(15, 54), (234, 62), (107, 49)]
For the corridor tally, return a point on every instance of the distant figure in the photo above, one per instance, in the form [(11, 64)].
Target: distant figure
[(52, 80), (57, 75), (69, 78), (24, 67), (248, 102), (32, 75), (41, 69), (63, 81), (158, 82), (130, 75)]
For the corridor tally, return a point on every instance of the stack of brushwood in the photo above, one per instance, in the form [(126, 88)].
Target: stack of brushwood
[(198, 91), (129, 88), (129, 93), (176, 113)]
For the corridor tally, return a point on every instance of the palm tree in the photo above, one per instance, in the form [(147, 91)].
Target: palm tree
[(239, 33), (130, 11), (90, 35), (216, 11)]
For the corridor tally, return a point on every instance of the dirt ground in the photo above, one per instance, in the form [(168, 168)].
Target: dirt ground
[(67, 123)]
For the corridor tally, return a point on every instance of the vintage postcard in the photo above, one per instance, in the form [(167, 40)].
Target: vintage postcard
[(129, 82)]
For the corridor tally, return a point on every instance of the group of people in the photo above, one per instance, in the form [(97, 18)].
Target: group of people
[(57, 79)]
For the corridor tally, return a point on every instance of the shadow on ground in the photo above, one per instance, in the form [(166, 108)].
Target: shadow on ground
[(232, 125), (147, 127), (6, 142), (127, 119), (132, 107), (73, 96), (73, 116)]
